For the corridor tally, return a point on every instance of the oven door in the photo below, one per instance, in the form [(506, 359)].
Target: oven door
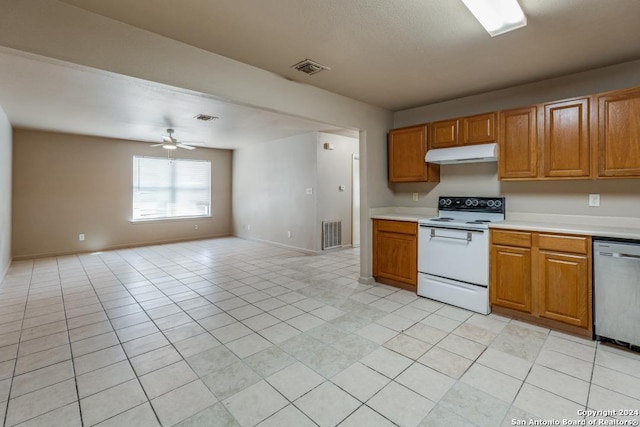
[(454, 253)]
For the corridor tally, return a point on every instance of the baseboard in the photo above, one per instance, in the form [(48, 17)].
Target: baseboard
[(116, 247), (280, 245)]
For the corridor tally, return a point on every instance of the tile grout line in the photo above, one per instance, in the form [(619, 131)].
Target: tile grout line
[(15, 363), (120, 344)]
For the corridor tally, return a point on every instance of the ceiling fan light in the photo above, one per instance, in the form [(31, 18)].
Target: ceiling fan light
[(169, 146), (497, 16)]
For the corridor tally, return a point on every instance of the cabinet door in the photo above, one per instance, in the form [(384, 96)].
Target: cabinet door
[(395, 251), (564, 288), (407, 148), (510, 285), (565, 146), (619, 133), (517, 143), (444, 134), (478, 129)]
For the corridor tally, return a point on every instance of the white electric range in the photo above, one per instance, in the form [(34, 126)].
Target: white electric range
[(453, 251)]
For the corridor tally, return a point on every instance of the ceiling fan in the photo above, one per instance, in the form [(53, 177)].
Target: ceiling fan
[(169, 142)]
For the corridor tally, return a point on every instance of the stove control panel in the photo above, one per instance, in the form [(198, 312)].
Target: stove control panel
[(471, 204)]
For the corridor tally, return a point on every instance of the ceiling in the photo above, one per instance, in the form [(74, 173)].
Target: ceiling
[(392, 54), (52, 95)]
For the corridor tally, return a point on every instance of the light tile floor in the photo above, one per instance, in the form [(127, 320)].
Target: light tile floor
[(229, 332)]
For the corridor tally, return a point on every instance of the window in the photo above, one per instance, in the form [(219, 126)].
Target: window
[(170, 188)]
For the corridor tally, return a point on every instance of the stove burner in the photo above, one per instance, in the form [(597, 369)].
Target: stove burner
[(478, 221), (443, 219)]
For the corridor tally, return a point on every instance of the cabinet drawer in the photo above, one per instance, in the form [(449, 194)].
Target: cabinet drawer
[(564, 243), (511, 238), (403, 227)]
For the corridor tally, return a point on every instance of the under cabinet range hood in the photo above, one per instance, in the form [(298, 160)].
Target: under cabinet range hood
[(463, 154)]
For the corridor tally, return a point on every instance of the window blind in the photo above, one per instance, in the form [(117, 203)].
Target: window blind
[(170, 188)]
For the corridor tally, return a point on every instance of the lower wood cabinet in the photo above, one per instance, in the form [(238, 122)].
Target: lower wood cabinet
[(395, 253), (542, 277)]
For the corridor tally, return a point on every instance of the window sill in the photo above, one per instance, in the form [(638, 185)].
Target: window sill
[(180, 218)]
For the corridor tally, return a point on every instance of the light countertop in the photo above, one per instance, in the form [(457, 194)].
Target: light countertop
[(397, 213), (597, 226), (584, 229)]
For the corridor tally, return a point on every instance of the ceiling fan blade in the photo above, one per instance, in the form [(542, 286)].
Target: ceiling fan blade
[(188, 147), (156, 145)]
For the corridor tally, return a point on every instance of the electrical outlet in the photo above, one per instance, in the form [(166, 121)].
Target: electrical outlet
[(195, 227), (289, 234), (415, 197), (81, 237), (248, 227), (594, 200)]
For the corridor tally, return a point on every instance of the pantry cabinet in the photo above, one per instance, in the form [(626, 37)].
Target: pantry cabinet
[(618, 133), (395, 253), (542, 277), (406, 150)]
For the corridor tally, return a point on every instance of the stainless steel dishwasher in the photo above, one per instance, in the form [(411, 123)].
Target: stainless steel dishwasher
[(616, 272)]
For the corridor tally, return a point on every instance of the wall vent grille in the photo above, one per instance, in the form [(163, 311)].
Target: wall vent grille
[(309, 67), (331, 234)]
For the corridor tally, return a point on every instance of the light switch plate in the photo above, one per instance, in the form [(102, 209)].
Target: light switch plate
[(415, 197), (594, 200)]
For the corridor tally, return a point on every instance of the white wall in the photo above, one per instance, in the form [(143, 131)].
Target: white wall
[(270, 183), (269, 191), (5, 193), (335, 169), (71, 34), (619, 197)]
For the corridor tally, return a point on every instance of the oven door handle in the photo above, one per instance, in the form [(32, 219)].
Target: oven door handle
[(466, 239), (470, 230)]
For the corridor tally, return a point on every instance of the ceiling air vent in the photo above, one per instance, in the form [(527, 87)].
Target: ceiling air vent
[(309, 67), (205, 117)]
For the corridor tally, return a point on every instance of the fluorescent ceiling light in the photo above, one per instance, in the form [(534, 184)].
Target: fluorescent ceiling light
[(497, 16)]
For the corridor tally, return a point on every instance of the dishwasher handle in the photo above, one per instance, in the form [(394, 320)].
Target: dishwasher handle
[(627, 256)]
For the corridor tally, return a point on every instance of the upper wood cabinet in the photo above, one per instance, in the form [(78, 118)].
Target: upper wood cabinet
[(565, 145), (547, 141), (444, 134), (478, 129), (618, 133), (588, 137), (517, 156), (407, 148)]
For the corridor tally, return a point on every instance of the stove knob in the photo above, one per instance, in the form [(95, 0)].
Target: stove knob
[(491, 203), (474, 202), (498, 203), (443, 202), (448, 202), (468, 202)]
